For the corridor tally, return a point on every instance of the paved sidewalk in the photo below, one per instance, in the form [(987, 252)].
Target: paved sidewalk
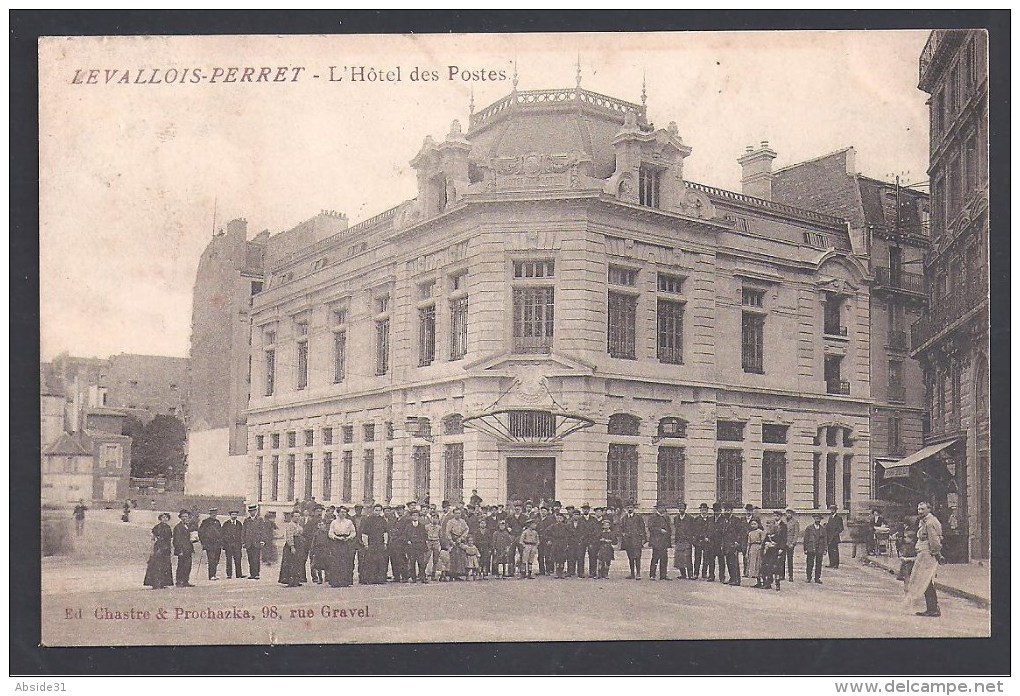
[(968, 580)]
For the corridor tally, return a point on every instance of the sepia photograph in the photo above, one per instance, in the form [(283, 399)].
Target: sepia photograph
[(522, 337)]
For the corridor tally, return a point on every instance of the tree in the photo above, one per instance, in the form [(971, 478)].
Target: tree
[(157, 447)]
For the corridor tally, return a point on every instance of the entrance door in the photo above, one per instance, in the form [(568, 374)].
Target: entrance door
[(531, 478)]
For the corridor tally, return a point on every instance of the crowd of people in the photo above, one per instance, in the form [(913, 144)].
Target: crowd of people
[(422, 543)]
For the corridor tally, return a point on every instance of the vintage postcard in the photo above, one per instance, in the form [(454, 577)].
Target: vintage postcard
[(514, 337)]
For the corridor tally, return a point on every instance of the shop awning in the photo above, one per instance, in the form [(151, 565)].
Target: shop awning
[(901, 468)]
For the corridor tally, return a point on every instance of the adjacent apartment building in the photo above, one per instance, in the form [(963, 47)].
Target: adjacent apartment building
[(562, 314), (952, 339), (230, 274), (889, 226)]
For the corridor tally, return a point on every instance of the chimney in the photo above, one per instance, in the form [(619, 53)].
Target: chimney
[(756, 171), (239, 227)]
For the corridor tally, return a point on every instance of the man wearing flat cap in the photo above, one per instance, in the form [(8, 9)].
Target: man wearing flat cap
[(231, 534), (210, 533), (183, 548)]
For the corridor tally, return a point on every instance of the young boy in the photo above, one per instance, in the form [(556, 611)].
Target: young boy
[(529, 548), (502, 543), (606, 552), (484, 543), (319, 554), (471, 551)]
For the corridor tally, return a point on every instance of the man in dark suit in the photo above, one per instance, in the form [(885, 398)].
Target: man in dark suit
[(374, 535), (255, 535), (683, 542), (703, 558), (592, 532), (577, 542), (734, 538), (716, 530), (210, 533), (815, 547), (633, 536), (183, 548), (833, 530), (660, 538), (231, 535), (545, 521), (417, 545)]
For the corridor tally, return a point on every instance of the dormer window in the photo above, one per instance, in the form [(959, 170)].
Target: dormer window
[(649, 178)]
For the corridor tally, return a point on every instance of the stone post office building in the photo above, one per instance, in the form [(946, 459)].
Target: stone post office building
[(561, 314)]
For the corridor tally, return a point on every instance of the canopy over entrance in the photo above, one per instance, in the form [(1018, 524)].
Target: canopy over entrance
[(901, 468), (529, 426)]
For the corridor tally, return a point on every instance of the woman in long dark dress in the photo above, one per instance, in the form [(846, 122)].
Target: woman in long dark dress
[(290, 563), (159, 571)]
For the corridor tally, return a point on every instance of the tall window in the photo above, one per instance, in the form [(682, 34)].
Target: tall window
[(292, 438), (773, 479), (327, 475), (327, 436), (258, 479), (368, 480), (453, 460), (274, 478), (347, 483), (275, 440), (426, 335), (291, 477), (368, 432), (389, 473), (270, 357), (752, 344), (622, 333), (458, 328), (347, 434), (309, 463), (339, 356), (847, 479), (382, 346), (730, 476), (669, 331), (421, 456), (302, 354), (834, 382), (833, 319), (260, 441), (533, 319), (533, 306), (897, 390), (648, 185), (621, 480), (816, 481), (831, 459), (670, 475), (895, 435), (309, 438)]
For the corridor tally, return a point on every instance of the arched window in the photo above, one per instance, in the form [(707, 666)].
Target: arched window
[(624, 424), (453, 425), (672, 427)]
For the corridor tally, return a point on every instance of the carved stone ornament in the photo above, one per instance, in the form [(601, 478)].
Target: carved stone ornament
[(697, 204)]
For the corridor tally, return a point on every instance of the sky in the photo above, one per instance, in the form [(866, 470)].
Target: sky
[(137, 172)]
